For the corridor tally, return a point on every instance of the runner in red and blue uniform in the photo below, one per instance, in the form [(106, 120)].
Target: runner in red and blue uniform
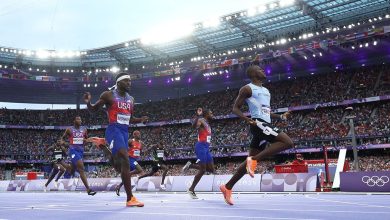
[(120, 106), (135, 147), (77, 136), (202, 148)]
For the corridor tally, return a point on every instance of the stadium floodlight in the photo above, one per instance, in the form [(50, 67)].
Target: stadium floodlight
[(261, 9), (366, 45), (320, 54), (283, 41), (361, 45), (126, 44), (60, 54), (37, 70), (2, 49), (305, 57), (30, 68), (251, 12), (126, 69), (212, 22), (375, 43), (387, 16), (284, 3), (272, 6), (167, 33), (43, 54), (115, 69)]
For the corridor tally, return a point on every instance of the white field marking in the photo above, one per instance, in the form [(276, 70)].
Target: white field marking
[(349, 203), (175, 214), (228, 207)]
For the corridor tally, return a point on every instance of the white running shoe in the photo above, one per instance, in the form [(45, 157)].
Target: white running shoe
[(55, 184), (162, 186), (192, 194)]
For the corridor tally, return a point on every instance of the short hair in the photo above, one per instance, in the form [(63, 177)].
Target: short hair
[(251, 70)]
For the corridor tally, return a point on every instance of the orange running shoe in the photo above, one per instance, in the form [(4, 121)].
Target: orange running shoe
[(251, 166), (134, 203), (227, 194), (98, 141)]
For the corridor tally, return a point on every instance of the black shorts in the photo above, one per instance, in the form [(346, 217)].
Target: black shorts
[(260, 137), (157, 165)]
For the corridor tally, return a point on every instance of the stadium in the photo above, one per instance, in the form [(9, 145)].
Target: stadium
[(161, 127)]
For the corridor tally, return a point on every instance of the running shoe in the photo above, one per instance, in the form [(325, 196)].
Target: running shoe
[(251, 166), (227, 194), (192, 194), (134, 203)]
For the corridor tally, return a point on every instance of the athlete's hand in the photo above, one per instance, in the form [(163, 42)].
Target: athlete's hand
[(285, 115), (251, 122), (199, 111), (87, 97), (144, 119)]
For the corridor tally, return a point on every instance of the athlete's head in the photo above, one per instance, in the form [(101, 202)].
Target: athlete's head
[(255, 73), (208, 114), (77, 121), (137, 135), (123, 81)]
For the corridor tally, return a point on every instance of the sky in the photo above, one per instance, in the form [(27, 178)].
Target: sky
[(87, 24)]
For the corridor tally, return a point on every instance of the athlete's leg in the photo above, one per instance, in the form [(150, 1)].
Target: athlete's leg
[(241, 171), (62, 171), (53, 173), (282, 142), (197, 177), (80, 169), (164, 174)]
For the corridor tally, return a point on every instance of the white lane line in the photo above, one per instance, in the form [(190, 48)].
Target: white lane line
[(349, 203), (176, 214)]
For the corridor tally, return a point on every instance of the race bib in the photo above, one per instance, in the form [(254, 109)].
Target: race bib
[(208, 139), (265, 111), (78, 140), (160, 155), (58, 155), (137, 153), (123, 119)]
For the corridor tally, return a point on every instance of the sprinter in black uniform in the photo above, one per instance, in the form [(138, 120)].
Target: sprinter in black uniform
[(158, 155), (58, 153)]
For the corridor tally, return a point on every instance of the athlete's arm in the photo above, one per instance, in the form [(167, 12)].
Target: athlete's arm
[(103, 100), (49, 149), (283, 116), (244, 93), (66, 134), (195, 121), (143, 119)]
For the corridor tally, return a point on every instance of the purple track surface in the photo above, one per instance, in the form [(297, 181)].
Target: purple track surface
[(106, 205)]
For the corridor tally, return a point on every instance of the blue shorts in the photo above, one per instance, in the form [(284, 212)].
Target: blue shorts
[(133, 163), (117, 137), (203, 152), (75, 155)]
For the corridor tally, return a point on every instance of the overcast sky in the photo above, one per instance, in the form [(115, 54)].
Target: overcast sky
[(86, 24)]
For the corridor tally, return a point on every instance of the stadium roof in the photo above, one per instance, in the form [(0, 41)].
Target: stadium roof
[(258, 25)]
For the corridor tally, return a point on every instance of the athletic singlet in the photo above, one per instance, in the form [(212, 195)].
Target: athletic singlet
[(204, 133), (76, 138), (259, 103), (120, 111), (158, 154), (135, 149)]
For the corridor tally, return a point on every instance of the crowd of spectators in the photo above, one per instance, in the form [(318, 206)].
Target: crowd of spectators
[(334, 86)]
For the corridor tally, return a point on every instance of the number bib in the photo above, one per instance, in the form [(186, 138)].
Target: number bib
[(78, 140), (58, 155), (123, 119), (137, 153), (160, 155), (208, 139)]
